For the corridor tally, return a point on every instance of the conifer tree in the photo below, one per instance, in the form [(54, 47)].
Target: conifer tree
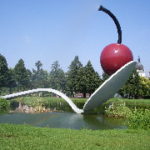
[(88, 80), (72, 75), (57, 77), (39, 76), (3, 71), (21, 75)]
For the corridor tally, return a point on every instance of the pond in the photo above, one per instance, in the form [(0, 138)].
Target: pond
[(63, 120)]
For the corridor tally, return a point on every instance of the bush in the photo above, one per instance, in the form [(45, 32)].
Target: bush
[(131, 103), (118, 110), (4, 105), (139, 119)]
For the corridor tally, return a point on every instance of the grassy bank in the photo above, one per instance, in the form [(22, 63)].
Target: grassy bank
[(47, 102), (60, 104), (131, 103), (16, 137), (145, 103)]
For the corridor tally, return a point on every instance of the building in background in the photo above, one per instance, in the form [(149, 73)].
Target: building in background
[(140, 69)]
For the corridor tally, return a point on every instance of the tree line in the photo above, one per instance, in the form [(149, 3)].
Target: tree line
[(78, 79)]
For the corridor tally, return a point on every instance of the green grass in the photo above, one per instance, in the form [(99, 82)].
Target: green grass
[(23, 137), (60, 104), (48, 102), (132, 103)]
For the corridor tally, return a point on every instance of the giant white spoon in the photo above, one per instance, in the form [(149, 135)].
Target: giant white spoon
[(102, 94), (110, 86)]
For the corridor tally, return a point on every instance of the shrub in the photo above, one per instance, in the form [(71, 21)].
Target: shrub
[(118, 110), (139, 119), (4, 105)]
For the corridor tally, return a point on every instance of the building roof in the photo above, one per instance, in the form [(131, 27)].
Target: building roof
[(139, 66)]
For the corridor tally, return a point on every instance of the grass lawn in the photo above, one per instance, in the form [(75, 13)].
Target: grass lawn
[(23, 137)]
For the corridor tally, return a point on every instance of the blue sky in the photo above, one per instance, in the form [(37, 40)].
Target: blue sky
[(50, 30)]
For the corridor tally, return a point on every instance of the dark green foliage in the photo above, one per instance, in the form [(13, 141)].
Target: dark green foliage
[(4, 105), (131, 88), (105, 76), (39, 76), (88, 79), (11, 80), (57, 77), (38, 65), (72, 75), (21, 75), (3, 71)]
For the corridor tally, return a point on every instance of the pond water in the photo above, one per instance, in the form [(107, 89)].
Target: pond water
[(63, 120)]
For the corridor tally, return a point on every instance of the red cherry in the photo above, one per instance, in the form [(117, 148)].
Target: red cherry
[(114, 56)]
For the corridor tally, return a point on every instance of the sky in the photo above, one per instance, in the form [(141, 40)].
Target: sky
[(59, 30)]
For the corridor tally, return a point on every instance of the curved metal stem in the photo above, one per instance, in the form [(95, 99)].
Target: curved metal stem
[(115, 21), (66, 98)]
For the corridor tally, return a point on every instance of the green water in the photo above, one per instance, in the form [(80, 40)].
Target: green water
[(63, 120)]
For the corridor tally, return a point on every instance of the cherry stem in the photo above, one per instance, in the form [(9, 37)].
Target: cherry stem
[(101, 8)]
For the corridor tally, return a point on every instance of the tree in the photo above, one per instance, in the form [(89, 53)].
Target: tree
[(132, 86), (29, 74), (88, 80), (11, 80), (72, 75), (39, 76), (57, 77), (93, 77), (105, 76), (21, 75), (38, 65), (3, 71), (144, 89)]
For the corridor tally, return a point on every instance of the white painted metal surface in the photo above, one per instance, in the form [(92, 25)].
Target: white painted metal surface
[(110, 86), (66, 98)]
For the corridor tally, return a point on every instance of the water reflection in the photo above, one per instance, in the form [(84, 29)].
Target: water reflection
[(63, 120)]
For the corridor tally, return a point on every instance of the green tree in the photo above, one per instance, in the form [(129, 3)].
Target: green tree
[(29, 74), (132, 86), (3, 71), (38, 65), (105, 76), (57, 77), (21, 75), (11, 80), (94, 80), (144, 89), (88, 80), (72, 75), (39, 76)]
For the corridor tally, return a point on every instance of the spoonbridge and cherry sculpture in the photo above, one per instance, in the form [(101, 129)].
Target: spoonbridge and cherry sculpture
[(116, 60)]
